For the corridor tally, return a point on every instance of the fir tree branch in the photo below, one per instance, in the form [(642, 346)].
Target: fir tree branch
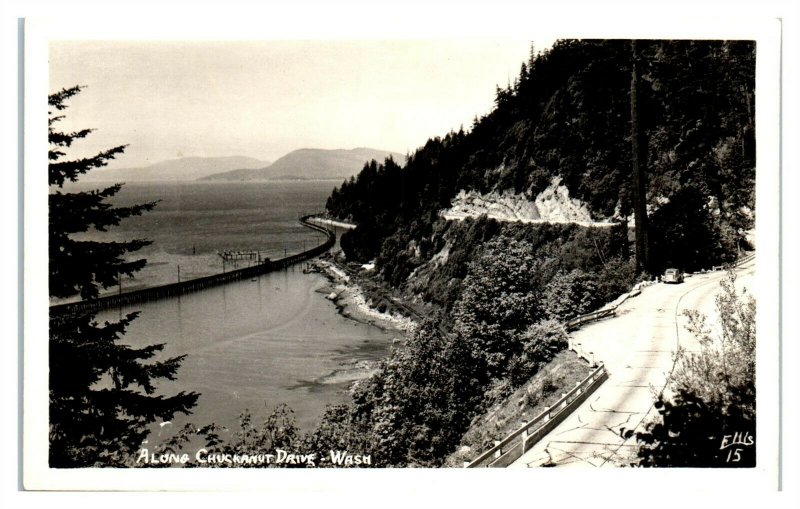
[(70, 170)]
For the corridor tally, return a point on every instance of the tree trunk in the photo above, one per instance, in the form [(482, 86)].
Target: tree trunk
[(639, 175)]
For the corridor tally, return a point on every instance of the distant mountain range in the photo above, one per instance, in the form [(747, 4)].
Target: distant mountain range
[(302, 164), (311, 164), (186, 168)]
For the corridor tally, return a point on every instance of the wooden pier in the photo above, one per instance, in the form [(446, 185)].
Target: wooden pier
[(195, 285), (233, 256)]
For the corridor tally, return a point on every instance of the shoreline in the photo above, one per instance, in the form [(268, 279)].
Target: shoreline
[(351, 303), (349, 300)]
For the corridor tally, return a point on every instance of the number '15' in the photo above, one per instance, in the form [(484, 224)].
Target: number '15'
[(733, 455)]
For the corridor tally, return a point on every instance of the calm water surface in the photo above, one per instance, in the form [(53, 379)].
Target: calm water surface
[(251, 344), (193, 221)]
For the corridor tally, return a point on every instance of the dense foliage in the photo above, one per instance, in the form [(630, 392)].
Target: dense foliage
[(102, 392), (600, 254), (504, 289), (497, 335), (568, 115), (709, 421)]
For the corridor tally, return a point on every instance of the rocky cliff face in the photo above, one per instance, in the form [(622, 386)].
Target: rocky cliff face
[(553, 205)]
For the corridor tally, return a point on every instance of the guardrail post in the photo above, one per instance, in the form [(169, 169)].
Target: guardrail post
[(524, 436), (555, 413)]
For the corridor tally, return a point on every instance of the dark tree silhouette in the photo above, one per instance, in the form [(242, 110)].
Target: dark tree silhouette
[(102, 393), (580, 112), (639, 172)]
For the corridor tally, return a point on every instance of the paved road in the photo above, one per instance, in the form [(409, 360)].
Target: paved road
[(637, 348)]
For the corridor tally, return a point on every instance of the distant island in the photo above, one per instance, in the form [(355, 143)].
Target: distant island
[(185, 168), (302, 164), (310, 164)]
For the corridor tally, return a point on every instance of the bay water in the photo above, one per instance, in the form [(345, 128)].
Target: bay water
[(251, 344)]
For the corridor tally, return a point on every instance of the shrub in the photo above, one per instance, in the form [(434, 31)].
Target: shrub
[(570, 294), (540, 343), (617, 276), (714, 393)]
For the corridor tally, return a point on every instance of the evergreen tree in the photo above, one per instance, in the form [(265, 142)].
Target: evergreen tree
[(581, 112), (102, 393), (639, 173)]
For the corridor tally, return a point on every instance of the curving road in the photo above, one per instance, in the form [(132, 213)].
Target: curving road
[(637, 348)]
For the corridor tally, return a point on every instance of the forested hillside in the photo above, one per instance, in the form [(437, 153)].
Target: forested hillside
[(662, 127), (568, 115)]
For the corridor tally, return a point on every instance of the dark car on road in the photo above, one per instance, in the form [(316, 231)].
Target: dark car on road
[(672, 275)]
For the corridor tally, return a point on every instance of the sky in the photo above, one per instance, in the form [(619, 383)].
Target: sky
[(171, 99)]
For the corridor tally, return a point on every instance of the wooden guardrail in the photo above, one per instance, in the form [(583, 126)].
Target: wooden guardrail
[(740, 261), (607, 311), (520, 441), (194, 285), (509, 449), (577, 322)]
